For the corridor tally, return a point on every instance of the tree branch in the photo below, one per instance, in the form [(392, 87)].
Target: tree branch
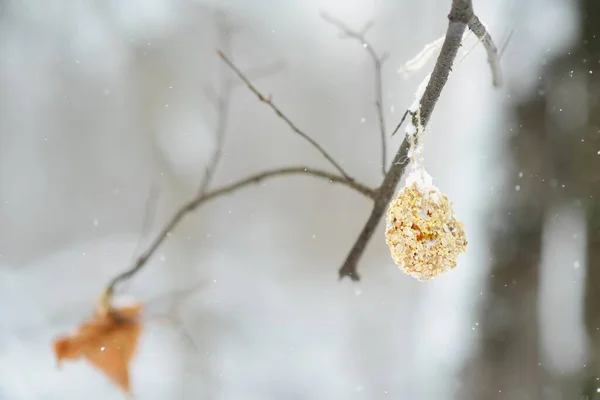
[(223, 101), (173, 314), (299, 170), (256, 74), (207, 196), (269, 102), (460, 15), (481, 32), (401, 122), (378, 62)]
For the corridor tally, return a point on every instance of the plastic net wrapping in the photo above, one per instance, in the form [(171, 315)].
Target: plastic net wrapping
[(422, 232)]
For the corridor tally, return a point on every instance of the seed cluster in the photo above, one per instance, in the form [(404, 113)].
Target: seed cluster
[(422, 232)]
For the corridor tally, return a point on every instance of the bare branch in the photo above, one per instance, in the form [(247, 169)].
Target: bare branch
[(209, 173), (378, 62), (148, 219), (401, 122), (224, 101), (172, 316), (269, 102), (332, 178), (506, 42), (149, 214), (366, 28), (481, 32), (204, 194), (223, 104), (204, 197), (460, 15), (177, 297)]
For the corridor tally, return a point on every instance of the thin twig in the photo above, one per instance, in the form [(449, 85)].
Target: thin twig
[(148, 219), (202, 198), (332, 178), (481, 32), (223, 115), (401, 122), (460, 15), (223, 104), (177, 297), (149, 215), (221, 101), (173, 316), (269, 102), (203, 195), (506, 42), (378, 62)]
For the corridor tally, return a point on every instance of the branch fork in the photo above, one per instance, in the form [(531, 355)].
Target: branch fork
[(460, 17)]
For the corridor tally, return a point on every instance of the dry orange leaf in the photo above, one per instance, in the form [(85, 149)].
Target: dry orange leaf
[(106, 341)]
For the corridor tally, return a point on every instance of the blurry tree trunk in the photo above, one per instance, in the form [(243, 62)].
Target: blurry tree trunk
[(508, 363), (549, 150), (588, 182), (592, 300)]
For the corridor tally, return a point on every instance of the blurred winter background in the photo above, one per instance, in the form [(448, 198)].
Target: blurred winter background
[(103, 100)]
